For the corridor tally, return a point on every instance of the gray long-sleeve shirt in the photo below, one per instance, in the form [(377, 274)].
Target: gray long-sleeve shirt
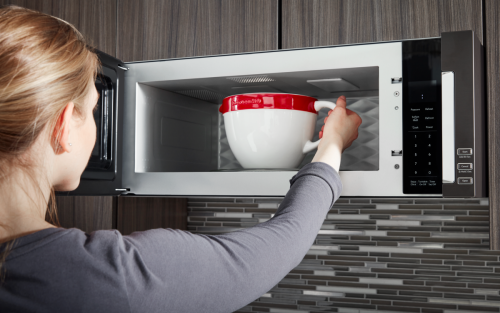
[(165, 270)]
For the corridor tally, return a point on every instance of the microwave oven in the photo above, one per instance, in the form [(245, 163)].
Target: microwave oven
[(421, 101)]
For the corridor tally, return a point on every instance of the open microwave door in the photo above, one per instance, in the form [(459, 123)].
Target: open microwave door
[(103, 174)]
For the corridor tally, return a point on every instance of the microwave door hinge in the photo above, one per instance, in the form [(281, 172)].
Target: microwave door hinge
[(448, 126)]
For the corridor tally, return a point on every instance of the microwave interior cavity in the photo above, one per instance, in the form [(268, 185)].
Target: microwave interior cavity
[(179, 127)]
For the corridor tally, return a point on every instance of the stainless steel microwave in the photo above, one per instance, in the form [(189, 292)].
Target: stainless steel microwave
[(421, 101)]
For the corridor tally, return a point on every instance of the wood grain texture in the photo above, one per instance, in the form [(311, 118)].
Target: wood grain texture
[(87, 213), (95, 19), (309, 23), (160, 29), (492, 47), (143, 213)]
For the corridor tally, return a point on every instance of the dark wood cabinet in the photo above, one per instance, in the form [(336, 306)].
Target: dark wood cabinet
[(161, 29), (87, 213), (492, 60), (142, 213), (95, 19), (309, 23)]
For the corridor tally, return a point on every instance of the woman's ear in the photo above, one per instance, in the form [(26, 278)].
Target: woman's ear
[(60, 136)]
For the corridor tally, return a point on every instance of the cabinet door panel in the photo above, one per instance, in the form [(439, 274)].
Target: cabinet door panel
[(492, 47), (159, 29), (95, 19), (309, 23), (143, 213), (87, 213)]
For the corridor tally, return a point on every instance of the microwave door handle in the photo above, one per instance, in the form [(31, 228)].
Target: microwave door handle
[(448, 126)]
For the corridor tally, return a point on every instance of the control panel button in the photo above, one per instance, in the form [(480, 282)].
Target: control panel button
[(464, 166), (464, 151), (465, 180)]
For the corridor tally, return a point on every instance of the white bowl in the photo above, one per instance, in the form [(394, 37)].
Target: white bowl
[(272, 138)]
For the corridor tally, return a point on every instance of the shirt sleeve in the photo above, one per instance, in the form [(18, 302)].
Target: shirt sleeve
[(177, 271)]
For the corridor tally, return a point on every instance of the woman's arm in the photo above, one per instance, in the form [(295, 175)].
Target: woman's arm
[(176, 271)]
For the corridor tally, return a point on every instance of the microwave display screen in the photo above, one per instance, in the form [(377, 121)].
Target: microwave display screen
[(422, 91), (422, 165)]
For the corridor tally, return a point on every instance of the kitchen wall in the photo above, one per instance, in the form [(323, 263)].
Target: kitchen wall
[(403, 255)]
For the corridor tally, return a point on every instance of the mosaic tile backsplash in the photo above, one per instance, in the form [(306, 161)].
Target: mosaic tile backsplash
[(376, 255)]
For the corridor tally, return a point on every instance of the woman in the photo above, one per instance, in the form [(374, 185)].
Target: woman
[(47, 133)]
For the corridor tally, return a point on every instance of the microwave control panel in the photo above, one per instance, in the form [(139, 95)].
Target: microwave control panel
[(422, 160)]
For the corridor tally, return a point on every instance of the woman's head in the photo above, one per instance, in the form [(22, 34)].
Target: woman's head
[(47, 95)]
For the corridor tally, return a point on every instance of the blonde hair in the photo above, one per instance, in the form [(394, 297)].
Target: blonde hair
[(45, 64)]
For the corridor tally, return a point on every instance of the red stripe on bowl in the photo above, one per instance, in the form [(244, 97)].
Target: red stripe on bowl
[(282, 101)]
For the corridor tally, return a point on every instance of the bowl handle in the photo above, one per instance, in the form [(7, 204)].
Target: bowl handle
[(318, 105)]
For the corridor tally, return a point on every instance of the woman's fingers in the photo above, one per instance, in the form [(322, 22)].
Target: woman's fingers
[(343, 125), (341, 102), (320, 134)]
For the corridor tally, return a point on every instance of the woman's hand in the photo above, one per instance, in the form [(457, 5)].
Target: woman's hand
[(338, 133)]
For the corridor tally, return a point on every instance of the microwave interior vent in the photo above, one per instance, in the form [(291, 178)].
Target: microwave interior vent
[(251, 79), (203, 94)]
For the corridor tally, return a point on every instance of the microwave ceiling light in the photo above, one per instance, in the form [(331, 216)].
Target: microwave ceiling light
[(251, 79), (333, 84)]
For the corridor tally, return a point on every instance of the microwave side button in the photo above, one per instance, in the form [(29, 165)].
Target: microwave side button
[(464, 151), (464, 166), (465, 180)]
